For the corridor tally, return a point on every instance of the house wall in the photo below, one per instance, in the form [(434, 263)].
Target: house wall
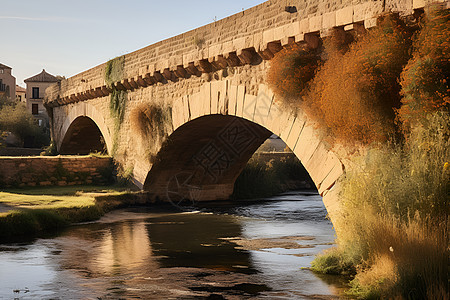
[(10, 81)]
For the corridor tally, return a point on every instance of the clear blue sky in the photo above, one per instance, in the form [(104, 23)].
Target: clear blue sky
[(68, 37)]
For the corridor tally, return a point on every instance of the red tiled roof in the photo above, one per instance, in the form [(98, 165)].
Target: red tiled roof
[(42, 77)]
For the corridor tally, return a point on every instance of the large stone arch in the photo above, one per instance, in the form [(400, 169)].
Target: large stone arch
[(222, 98), (86, 113)]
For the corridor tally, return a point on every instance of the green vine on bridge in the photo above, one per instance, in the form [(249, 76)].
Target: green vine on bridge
[(114, 72)]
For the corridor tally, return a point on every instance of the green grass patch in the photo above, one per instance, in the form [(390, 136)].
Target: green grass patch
[(66, 190), (28, 212), (334, 261)]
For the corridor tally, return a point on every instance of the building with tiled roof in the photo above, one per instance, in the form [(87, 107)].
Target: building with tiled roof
[(36, 86), (7, 82), (21, 94)]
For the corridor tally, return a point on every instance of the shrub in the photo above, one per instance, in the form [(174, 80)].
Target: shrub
[(334, 261), (290, 72), (426, 78), (264, 179), (18, 120), (353, 93)]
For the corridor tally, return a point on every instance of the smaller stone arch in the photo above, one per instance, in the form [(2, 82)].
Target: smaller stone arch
[(83, 130)]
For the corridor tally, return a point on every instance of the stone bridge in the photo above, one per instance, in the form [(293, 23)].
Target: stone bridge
[(184, 115)]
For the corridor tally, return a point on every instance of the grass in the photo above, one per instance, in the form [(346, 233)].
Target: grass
[(28, 212), (65, 190), (399, 245)]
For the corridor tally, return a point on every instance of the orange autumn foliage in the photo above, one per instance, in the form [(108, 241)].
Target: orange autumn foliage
[(290, 72), (425, 79), (353, 94)]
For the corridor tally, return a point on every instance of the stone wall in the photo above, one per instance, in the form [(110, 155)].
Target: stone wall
[(54, 171)]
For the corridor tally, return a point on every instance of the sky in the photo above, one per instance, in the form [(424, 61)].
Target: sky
[(68, 37)]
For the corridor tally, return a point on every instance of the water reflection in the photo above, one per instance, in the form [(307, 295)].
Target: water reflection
[(197, 240), (178, 255)]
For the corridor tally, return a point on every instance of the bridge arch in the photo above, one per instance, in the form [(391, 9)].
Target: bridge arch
[(83, 130), (202, 122)]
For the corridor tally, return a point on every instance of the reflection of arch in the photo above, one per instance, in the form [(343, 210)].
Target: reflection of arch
[(84, 130), (200, 117)]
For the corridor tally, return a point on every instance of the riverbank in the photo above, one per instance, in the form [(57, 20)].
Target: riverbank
[(32, 211)]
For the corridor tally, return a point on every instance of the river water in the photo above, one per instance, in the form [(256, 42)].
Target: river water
[(256, 250)]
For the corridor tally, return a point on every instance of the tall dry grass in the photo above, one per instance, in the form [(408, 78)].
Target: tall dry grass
[(400, 240)]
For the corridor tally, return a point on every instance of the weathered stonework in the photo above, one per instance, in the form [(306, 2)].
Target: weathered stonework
[(210, 77), (52, 171)]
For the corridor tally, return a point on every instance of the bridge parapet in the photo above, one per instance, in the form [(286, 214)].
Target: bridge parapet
[(243, 38)]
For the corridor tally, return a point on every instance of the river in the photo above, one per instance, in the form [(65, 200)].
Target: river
[(252, 250)]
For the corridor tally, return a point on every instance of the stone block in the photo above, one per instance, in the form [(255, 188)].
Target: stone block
[(349, 27), (304, 26), (188, 58), (216, 90), (331, 178), (344, 16), (223, 98), (418, 4), (195, 106), (280, 32), (369, 23), (240, 100), (286, 127), (367, 10), (232, 96), (329, 20), (186, 111), (295, 132), (215, 50), (307, 143), (268, 36), (249, 107), (263, 104), (175, 60), (315, 23), (243, 43), (162, 65), (258, 43), (293, 29), (205, 99), (177, 113), (299, 38), (317, 166), (227, 47)]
